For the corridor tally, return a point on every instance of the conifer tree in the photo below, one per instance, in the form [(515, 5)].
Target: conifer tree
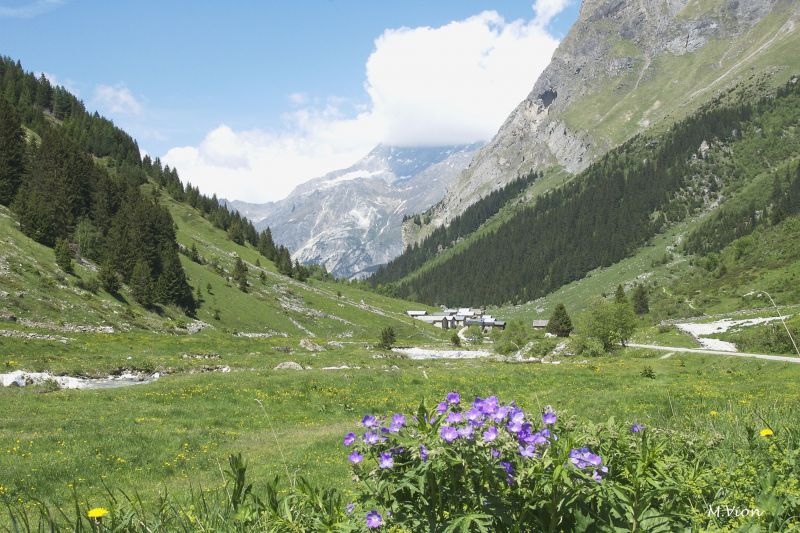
[(560, 324), (109, 279), (641, 301), (240, 274), (141, 284), (619, 295), (63, 256), (12, 152)]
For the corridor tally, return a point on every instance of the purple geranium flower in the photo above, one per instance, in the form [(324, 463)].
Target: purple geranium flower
[(495, 453), (423, 452), (369, 421), (500, 414), (517, 416), (489, 405), (453, 398), (514, 427), (386, 460), (598, 476), (349, 508), (549, 417), (454, 418), (448, 433), (508, 467), (584, 458), (373, 438), (465, 432), (374, 520), (636, 428), (442, 407), (527, 451), (355, 458), (473, 415), (349, 439), (490, 434)]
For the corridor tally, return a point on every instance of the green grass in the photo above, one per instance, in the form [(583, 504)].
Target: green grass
[(673, 86), (178, 430)]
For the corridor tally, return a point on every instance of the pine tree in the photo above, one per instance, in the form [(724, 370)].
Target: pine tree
[(63, 256), (240, 274), (109, 279), (560, 324), (641, 301), (142, 284), (12, 152), (171, 287), (619, 295)]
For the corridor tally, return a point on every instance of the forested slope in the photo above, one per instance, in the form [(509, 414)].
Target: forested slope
[(632, 194)]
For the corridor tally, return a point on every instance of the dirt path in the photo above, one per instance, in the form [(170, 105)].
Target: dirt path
[(785, 359)]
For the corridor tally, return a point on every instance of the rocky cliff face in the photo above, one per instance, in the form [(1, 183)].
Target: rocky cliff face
[(624, 66), (350, 220)]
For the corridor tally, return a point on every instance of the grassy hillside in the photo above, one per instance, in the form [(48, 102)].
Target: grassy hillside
[(45, 299)]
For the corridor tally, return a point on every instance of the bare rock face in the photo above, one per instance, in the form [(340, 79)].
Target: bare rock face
[(350, 220), (623, 67)]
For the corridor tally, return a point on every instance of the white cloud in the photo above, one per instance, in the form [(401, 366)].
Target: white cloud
[(30, 9), (427, 86), (546, 10), (116, 99)]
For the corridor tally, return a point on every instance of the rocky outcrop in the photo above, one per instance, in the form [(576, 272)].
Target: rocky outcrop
[(350, 220), (625, 65)]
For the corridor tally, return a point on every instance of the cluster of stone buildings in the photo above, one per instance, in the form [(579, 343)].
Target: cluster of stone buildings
[(457, 318)]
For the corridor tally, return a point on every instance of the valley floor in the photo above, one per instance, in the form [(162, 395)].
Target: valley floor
[(173, 434)]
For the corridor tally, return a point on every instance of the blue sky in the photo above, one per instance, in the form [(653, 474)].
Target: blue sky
[(173, 73)]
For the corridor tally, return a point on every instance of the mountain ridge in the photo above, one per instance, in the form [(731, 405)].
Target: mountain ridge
[(622, 68), (350, 219)]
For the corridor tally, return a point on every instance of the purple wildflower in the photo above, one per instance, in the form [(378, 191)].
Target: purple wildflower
[(598, 476), (442, 407), (398, 420), (423, 452), (369, 421), (500, 414), (490, 434), (527, 451), (349, 439), (473, 415), (508, 467), (454, 418), (549, 417), (386, 460), (453, 398), (489, 405), (517, 416), (584, 458), (355, 458), (636, 428), (349, 508), (448, 433), (465, 432), (514, 427), (373, 438), (374, 520), (495, 453)]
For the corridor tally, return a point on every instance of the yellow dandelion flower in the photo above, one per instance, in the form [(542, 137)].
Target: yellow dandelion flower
[(97, 512), (766, 432), (714, 413)]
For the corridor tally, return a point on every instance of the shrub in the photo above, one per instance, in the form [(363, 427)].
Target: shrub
[(491, 466), (388, 338), (455, 340), (586, 346)]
